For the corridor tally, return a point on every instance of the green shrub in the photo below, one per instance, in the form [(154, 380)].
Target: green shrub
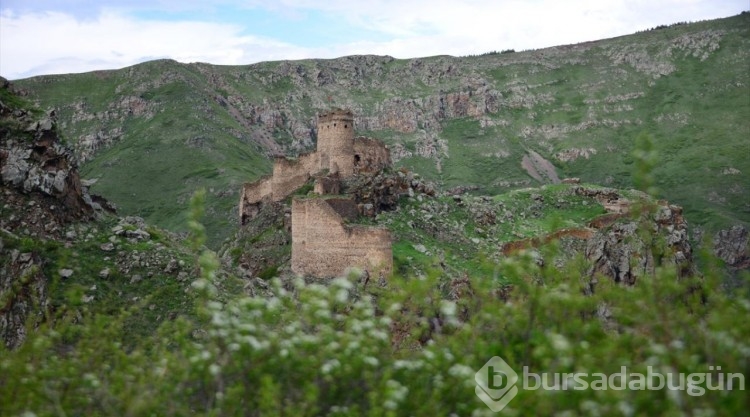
[(407, 349)]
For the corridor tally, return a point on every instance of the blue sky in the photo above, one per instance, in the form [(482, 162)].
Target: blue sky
[(53, 36)]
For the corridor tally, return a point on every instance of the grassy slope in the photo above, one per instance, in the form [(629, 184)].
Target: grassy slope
[(160, 161), (697, 114), (453, 236)]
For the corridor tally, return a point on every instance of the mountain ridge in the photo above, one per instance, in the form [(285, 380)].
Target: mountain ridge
[(154, 132)]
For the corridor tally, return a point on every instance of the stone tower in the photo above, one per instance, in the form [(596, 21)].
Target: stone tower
[(336, 141)]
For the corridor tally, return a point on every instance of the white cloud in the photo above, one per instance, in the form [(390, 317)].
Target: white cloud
[(54, 42), (45, 42), (475, 26)]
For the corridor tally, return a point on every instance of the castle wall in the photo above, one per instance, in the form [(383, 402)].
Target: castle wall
[(323, 246), (323, 243), (290, 174), (256, 191), (370, 155), (346, 208), (252, 195)]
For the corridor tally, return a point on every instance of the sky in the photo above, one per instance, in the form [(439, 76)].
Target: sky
[(66, 36)]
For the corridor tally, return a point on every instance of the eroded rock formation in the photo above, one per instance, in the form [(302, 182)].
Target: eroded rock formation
[(41, 192)]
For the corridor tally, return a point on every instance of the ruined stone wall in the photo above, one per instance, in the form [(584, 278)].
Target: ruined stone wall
[(290, 174), (370, 155), (257, 191), (323, 246), (344, 207), (337, 152), (329, 184), (252, 195), (336, 141)]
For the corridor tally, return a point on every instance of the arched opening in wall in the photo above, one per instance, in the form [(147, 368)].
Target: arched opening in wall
[(334, 125), (357, 159), (346, 126)]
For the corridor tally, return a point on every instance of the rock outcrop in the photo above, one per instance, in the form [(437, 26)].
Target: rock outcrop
[(381, 192), (41, 193), (23, 287), (33, 160), (731, 246), (628, 250)]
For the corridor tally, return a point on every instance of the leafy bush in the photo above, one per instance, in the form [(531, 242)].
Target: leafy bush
[(410, 348)]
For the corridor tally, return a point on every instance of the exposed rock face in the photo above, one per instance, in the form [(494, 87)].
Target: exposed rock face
[(273, 221), (622, 253), (24, 290), (381, 192), (539, 168), (45, 166), (41, 191), (731, 245), (624, 244), (33, 160)]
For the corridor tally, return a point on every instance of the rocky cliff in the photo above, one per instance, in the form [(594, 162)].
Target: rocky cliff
[(496, 121), (35, 163), (51, 227), (42, 193)]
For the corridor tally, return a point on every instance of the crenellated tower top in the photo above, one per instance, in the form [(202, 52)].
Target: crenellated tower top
[(335, 116)]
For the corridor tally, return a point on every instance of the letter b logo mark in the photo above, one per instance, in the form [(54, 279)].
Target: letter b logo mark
[(496, 384)]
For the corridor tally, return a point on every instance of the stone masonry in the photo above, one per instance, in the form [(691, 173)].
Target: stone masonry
[(323, 243), (338, 153)]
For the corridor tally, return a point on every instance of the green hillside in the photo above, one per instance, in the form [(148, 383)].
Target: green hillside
[(102, 315), (153, 133)]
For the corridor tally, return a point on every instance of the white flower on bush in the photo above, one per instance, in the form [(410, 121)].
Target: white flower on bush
[(318, 289), (341, 283), (438, 380), (461, 371), (200, 284), (558, 341), (291, 328), (378, 334), (406, 364), (342, 295), (273, 303), (319, 303), (658, 349), (448, 308), (352, 346), (255, 343), (246, 327), (329, 366), (323, 314), (91, 379), (395, 393)]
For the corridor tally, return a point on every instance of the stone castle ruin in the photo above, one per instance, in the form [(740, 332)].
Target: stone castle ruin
[(324, 244)]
